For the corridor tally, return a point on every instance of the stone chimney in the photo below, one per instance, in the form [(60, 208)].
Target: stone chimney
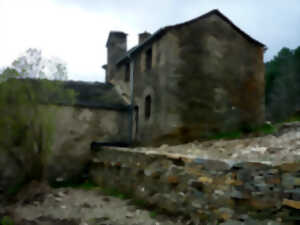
[(116, 48), (143, 36)]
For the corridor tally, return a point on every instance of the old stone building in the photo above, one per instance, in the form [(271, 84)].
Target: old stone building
[(189, 80), (182, 83)]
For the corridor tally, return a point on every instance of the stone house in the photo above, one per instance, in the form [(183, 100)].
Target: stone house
[(189, 80), (182, 83)]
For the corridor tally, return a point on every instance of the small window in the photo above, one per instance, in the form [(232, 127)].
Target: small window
[(127, 72), (149, 59), (147, 107), (136, 110)]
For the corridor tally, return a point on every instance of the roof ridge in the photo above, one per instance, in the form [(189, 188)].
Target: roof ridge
[(161, 31)]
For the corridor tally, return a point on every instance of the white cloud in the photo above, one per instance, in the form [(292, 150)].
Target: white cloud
[(76, 30), (69, 33)]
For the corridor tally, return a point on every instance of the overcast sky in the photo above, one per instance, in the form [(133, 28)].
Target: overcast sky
[(76, 30)]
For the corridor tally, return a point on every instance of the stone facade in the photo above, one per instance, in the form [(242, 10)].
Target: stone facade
[(190, 80)]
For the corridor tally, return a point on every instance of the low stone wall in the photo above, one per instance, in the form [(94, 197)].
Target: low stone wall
[(207, 191)]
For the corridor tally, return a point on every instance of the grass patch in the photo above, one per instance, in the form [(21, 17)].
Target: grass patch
[(295, 118), (90, 185), (244, 132), (6, 220), (227, 135), (266, 129), (153, 214), (115, 193), (86, 185)]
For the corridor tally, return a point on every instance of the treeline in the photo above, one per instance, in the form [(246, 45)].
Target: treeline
[(282, 92)]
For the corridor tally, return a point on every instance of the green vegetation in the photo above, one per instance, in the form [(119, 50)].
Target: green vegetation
[(264, 129), (283, 85), (153, 214), (26, 125), (293, 118), (6, 220), (90, 185), (115, 193)]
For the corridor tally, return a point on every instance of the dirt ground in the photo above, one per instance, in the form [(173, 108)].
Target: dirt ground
[(38, 204)]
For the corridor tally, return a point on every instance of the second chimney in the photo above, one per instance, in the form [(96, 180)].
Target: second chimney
[(143, 36)]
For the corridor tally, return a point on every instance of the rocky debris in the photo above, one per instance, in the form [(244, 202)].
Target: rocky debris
[(281, 147), (247, 181)]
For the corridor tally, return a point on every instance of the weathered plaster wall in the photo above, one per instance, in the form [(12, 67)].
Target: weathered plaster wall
[(75, 129), (208, 191)]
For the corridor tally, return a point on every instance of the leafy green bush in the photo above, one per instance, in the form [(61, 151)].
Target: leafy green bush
[(6, 220), (26, 125)]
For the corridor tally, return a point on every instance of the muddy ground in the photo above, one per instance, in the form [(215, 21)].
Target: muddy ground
[(39, 204)]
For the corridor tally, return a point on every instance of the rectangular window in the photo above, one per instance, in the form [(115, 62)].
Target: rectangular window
[(149, 59), (127, 72)]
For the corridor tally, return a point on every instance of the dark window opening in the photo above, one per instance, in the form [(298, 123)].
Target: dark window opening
[(127, 72), (147, 107), (136, 110), (149, 59)]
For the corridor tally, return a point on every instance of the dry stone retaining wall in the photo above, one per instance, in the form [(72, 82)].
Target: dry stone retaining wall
[(208, 191)]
